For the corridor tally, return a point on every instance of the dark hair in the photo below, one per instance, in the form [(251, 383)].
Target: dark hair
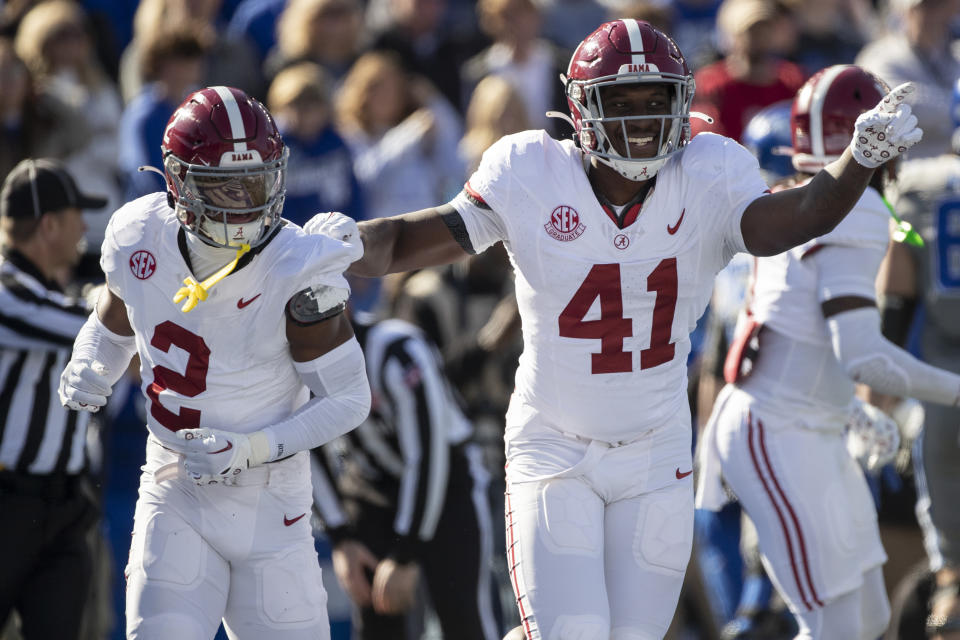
[(177, 42)]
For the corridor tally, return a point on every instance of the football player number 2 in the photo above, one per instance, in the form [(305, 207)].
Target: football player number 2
[(603, 282), (191, 383)]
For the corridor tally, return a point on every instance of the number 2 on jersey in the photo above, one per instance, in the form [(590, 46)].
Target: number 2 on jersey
[(603, 282), (191, 383)]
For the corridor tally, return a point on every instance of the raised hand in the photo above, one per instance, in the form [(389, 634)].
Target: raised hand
[(887, 130)]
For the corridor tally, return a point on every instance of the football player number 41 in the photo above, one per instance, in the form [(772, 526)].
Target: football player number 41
[(603, 282)]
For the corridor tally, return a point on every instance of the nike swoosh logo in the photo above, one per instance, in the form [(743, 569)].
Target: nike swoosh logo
[(288, 521), (241, 303), (226, 448), (681, 476), (672, 230)]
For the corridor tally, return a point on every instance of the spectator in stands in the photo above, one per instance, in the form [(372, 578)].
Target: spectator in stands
[(403, 136), (54, 42), (922, 52), (172, 64), (752, 75), (695, 29), (320, 169), (659, 15), (520, 55), (830, 31), (32, 125), (47, 507), (496, 109), (327, 32), (402, 132), (227, 61), (256, 22), (421, 40)]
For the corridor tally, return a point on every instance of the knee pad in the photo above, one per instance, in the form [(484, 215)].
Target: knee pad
[(585, 627), (166, 626)]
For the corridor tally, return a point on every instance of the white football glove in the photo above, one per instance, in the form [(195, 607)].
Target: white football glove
[(84, 385), (211, 456), (887, 130), (872, 436), (335, 225)]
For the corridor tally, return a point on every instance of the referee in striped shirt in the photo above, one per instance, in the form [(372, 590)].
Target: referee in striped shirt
[(410, 497), (45, 561)]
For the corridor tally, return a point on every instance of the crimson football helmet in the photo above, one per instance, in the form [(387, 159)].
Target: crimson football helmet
[(225, 165), (628, 52), (825, 110)]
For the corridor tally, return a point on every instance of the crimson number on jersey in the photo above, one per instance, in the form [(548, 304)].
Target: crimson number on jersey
[(191, 383), (603, 282)]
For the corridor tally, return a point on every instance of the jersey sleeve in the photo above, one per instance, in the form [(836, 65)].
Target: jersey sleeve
[(724, 172), (485, 197), (317, 263), (128, 227)]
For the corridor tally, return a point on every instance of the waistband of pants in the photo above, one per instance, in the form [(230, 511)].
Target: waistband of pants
[(55, 486), (602, 443)]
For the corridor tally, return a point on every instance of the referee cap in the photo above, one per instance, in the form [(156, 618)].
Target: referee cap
[(35, 187)]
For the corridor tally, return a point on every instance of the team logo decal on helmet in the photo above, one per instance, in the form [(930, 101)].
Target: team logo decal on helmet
[(825, 110), (628, 52), (225, 165)]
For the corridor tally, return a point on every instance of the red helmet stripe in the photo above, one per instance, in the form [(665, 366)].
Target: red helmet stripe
[(237, 130), (817, 99)]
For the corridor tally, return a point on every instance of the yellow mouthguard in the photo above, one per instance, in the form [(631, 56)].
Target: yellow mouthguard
[(195, 291)]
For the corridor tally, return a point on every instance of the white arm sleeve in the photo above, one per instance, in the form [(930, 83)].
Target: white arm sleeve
[(338, 380), (870, 358), (96, 343)]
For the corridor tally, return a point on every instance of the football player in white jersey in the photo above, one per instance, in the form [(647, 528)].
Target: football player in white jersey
[(787, 430), (927, 277), (615, 237), (237, 317)]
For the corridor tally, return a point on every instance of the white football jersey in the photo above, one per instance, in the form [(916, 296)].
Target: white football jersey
[(795, 371), (226, 364), (607, 312), (785, 295)]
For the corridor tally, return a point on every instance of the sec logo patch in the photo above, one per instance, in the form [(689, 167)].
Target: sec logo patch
[(142, 264), (564, 224)]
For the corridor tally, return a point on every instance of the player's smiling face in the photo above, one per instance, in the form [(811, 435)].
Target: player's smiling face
[(643, 135)]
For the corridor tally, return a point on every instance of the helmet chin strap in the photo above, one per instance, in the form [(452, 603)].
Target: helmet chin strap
[(196, 292)]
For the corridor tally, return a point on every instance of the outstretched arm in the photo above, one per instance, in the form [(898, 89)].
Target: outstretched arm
[(778, 221), (415, 240)]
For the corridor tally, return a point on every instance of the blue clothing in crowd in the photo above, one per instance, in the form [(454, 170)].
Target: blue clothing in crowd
[(320, 178), (141, 130)]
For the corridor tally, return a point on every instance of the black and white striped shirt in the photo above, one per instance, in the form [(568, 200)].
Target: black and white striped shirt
[(400, 455), (38, 324)]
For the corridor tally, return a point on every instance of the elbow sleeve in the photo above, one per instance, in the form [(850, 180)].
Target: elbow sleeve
[(338, 380), (871, 359)]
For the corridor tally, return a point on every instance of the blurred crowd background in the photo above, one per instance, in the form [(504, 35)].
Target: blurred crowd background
[(387, 106)]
